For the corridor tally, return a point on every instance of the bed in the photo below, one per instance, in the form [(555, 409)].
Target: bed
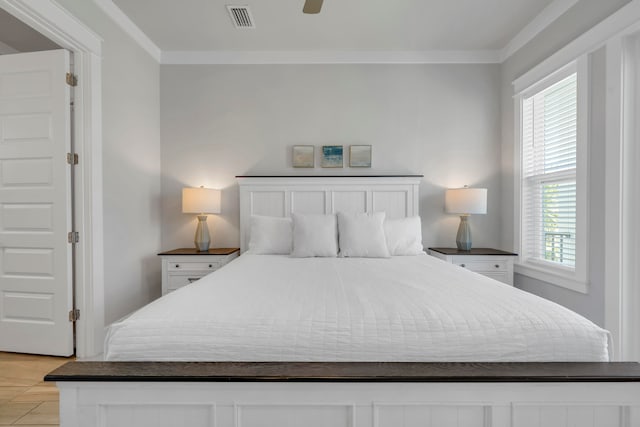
[(274, 308), (408, 340)]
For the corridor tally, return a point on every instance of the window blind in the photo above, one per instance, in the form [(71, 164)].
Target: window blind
[(549, 141)]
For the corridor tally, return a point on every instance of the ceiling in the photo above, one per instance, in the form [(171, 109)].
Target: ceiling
[(411, 25), (19, 37)]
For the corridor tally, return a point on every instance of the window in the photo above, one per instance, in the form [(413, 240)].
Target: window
[(552, 180)]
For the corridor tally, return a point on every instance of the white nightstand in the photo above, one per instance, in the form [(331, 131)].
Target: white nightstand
[(183, 266), (492, 263)]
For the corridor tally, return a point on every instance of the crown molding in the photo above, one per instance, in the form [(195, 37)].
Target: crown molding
[(129, 27), (545, 18), (331, 57)]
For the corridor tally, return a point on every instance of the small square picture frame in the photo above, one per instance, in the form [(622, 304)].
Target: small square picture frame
[(303, 156), (332, 156), (360, 156)]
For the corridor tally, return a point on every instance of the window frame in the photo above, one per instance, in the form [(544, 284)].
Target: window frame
[(575, 278)]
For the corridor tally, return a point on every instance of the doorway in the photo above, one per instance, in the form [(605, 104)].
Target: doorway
[(55, 23)]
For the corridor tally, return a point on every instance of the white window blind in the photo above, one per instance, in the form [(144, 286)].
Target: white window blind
[(549, 143)]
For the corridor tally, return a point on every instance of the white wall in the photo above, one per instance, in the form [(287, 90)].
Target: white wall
[(573, 23), (219, 121), (131, 165)]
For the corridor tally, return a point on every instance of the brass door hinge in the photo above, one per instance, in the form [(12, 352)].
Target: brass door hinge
[(73, 237), (72, 158), (72, 80), (74, 315)]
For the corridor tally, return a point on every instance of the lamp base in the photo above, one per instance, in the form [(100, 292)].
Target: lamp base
[(463, 239), (202, 239)]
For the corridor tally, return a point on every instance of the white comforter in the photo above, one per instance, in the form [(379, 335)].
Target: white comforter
[(276, 308)]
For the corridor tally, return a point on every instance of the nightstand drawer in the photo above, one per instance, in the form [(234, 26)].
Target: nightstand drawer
[(489, 262), (179, 280), (501, 277), (194, 266), (186, 265), (477, 265)]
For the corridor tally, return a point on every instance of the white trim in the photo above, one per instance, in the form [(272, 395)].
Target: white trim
[(5, 49), (631, 199), (545, 18), (591, 40), (554, 278), (129, 27), (613, 196), (330, 57), (54, 22)]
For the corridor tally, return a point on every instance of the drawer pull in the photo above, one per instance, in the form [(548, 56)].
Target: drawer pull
[(177, 265), (193, 279), (462, 265), (210, 265), (497, 265)]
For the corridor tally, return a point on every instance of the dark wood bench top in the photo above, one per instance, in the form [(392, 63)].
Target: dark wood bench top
[(345, 372)]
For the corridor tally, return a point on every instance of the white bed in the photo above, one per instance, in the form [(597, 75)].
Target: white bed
[(400, 309), (403, 309)]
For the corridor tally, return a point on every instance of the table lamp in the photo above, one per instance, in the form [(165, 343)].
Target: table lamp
[(465, 201), (201, 201)]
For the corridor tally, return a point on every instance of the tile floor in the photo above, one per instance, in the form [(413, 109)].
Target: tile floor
[(26, 400)]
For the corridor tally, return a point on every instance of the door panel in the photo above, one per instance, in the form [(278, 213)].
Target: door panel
[(35, 204)]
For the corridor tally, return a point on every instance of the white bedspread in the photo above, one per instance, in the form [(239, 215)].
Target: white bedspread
[(276, 308)]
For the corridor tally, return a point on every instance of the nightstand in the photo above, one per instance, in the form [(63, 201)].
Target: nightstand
[(492, 263), (183, 266)]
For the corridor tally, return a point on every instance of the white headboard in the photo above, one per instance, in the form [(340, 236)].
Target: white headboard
[(280, 196)]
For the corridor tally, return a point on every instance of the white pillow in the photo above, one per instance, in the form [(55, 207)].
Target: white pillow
[(404, 236), (270, 235), (314, 236), (362, 235)]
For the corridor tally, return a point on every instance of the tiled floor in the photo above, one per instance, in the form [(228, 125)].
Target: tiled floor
[(25, 400)]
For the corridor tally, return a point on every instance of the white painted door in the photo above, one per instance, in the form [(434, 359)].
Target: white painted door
[(35, 204)]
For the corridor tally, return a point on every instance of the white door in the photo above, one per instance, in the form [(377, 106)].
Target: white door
[(35, 204)]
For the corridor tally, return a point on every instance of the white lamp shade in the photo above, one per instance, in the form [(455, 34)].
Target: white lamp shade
[(466, 201), (200, 200)]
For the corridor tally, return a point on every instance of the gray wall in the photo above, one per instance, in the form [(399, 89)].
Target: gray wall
[(131, 165), (219, 121), (573, 23)]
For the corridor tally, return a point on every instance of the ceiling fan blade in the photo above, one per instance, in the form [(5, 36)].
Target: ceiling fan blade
[(312, 6)]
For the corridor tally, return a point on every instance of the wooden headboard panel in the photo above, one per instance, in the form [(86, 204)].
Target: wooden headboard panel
[(280, 196)]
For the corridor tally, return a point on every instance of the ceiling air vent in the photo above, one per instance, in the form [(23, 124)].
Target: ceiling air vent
[(241, 16)]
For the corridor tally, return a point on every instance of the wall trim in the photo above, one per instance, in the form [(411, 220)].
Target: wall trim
[(129, 27), (54, 22), (545, 18), (548, 15), (589, 41), (331, 57)]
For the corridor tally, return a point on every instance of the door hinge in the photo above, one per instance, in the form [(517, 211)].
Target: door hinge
[(73, 237), (74, 315), (72, 80), (72, 158)]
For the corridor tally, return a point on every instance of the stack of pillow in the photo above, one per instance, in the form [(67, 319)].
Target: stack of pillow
[(368, 235)]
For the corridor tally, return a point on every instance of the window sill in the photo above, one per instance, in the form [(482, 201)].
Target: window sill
[(556, 278)]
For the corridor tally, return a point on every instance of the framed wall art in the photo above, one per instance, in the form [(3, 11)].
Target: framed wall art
[(303, 156), (332, 156), (360, 156)]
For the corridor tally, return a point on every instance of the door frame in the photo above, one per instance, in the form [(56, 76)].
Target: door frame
[(56, 23)]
